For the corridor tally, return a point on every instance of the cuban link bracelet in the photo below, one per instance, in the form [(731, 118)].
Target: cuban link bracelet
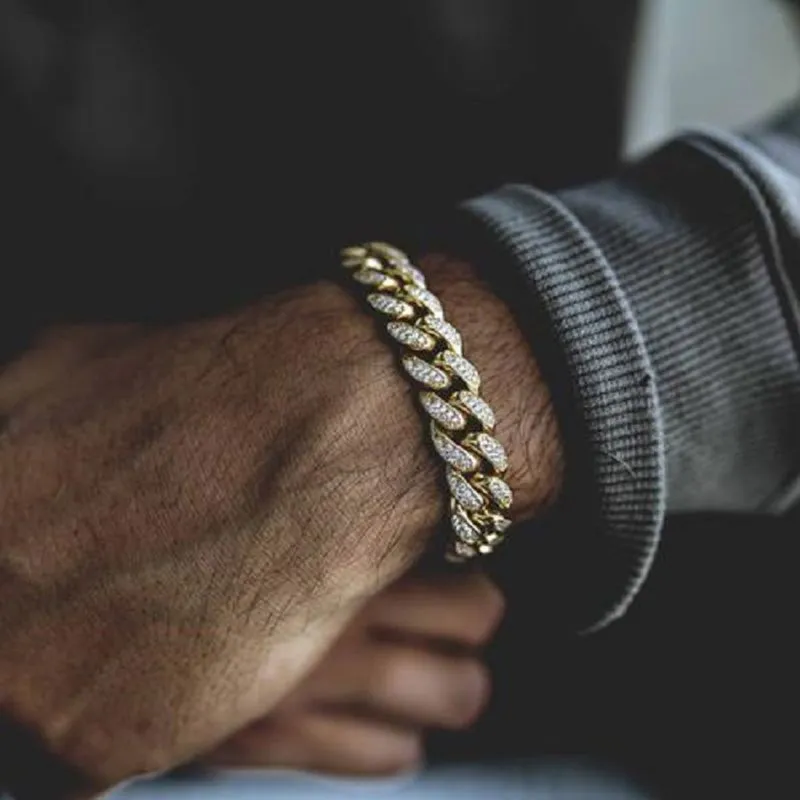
[(461, 422)]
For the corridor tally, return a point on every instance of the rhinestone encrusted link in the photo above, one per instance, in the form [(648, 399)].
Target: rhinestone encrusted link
[(375, 278), (425, 298), (425, 373), (461, 421), (444, 330), (448, 417), (499, 491), (476, 406), (455, 455), (490, 449), (459, 366), (391, 306), (411, 336), (464, 493), (464, 529)]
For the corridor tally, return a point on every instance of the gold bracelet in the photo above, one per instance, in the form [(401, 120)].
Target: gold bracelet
[(461, 421)]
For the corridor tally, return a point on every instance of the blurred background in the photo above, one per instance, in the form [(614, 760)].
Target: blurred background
[(717, 62)]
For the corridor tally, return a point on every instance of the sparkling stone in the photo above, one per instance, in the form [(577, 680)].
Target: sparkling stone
[(391, 306), (447, 416), (464, 529), (485, 549), (464, 493), (388, 252), (501, 524), (455, 455), (425, 298), (500, 491), (425, 373), (491, 449), (353, 256), (353, 252), (408, 272), (464, 550), (461, 367), (493, 526), (411, 336), (370, 262), (478, 407), (372, 277), (444, 330)]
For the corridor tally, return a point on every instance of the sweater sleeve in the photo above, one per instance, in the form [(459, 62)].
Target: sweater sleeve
[(669, 296)]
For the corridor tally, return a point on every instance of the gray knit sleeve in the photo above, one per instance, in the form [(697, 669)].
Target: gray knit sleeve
[(669, 294)]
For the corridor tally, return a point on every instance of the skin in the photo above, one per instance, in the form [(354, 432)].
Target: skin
[(192, 513), (410, 661)]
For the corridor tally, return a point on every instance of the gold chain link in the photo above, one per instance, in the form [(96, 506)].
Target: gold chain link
[(461, 421)]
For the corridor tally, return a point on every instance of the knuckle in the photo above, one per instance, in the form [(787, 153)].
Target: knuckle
[(403, 755), (496, 601), (468, 695), (490, 606), (393, 674), (91, 751)]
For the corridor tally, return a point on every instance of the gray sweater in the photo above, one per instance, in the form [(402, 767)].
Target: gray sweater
[(670, 298)]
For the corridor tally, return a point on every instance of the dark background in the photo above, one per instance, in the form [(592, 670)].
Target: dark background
[(693, 691)]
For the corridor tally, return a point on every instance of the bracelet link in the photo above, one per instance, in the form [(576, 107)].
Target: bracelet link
[(461, 421)]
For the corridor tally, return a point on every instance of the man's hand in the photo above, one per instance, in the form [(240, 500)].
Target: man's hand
[(189, 515), (407, 663)]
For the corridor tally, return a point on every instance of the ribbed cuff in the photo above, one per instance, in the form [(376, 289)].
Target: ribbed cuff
[(609, 411), (703, 237)]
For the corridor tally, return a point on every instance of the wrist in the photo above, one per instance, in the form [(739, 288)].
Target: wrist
[(511, 382), (379, 453)]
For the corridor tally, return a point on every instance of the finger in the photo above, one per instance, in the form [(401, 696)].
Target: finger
[(324, 742), (464, 608), (407, 685)]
